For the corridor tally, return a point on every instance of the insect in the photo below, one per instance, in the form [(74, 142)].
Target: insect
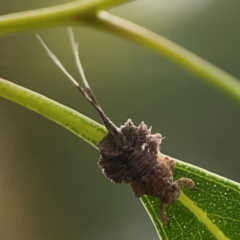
[(130, 154)]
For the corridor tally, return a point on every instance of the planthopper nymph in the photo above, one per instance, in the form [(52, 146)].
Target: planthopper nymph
[(130, 154)]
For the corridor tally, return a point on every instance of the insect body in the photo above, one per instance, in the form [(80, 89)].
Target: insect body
[(131, 154)]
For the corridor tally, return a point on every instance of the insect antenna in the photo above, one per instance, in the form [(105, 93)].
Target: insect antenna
[(86, 91)]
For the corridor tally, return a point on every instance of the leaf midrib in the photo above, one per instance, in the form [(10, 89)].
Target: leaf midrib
[(202, 217)]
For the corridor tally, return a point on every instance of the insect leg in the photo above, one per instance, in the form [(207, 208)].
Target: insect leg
[(187, 182), (162, 215)]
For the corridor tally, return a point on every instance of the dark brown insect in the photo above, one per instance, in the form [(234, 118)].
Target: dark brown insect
[(131, 154)]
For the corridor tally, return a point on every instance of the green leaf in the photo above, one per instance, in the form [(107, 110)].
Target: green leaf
[(212, 212)]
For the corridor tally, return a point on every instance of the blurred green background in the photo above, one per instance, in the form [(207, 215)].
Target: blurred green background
[(50, 184)]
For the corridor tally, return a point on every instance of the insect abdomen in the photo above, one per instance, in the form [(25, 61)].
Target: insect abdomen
[(133, 157)]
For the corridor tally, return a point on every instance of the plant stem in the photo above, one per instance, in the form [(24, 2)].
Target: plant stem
[(210, 74), (87, 12), (61, 15), (86, 128)]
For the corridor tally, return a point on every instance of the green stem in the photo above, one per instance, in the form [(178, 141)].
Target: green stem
[(87, 129), (61, 15), (209, 73), (88, 12)]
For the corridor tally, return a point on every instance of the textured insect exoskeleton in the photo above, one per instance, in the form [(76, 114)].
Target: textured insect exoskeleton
[(131, 154)]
